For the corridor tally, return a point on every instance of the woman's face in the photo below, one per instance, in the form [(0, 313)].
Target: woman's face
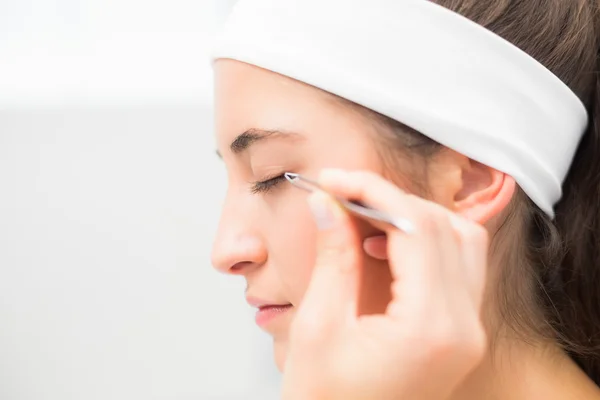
[(267, 124)]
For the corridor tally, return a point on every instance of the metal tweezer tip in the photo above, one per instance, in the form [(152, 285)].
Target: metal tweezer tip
[(354, 207)]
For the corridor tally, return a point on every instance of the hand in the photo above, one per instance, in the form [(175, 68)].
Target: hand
[(430, 336)]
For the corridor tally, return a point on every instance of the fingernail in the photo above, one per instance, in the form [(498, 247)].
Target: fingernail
[(321, 207)]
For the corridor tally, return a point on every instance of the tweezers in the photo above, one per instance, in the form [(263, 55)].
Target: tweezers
[(354, 207)]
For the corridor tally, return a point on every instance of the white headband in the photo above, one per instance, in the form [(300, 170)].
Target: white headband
[(427, 67)]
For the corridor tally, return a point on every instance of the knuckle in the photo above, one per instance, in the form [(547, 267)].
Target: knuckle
[(429, 222)]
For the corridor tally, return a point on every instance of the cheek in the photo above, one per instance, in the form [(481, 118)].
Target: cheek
[(292, 247), (294, 242)]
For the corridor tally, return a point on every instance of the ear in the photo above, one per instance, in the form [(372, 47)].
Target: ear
[(469, 188), (485, 192)]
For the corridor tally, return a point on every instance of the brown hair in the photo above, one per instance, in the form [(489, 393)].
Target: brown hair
[(554, 288)]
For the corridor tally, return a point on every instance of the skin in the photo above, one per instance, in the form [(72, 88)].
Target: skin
[(269, 237)]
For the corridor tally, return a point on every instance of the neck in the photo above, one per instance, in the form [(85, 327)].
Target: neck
[(520, 371)]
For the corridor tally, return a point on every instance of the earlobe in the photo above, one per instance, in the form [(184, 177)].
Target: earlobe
[(483, 202)]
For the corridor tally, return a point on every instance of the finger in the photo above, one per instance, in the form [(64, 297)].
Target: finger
[(454, 295), (417, 263), (376, 247), (474, 249), (415, 259), (429, 266), (332, 294)]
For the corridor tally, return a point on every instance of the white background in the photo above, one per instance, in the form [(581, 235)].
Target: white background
[(109, 197)]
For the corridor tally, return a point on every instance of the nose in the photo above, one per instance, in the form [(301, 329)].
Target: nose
[(239, 247)]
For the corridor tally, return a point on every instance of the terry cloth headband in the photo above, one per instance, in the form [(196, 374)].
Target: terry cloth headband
[(427, 67)]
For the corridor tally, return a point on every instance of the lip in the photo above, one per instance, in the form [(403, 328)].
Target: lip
[(267, 311)]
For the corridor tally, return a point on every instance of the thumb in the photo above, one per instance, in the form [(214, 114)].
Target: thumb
[(333, 290)]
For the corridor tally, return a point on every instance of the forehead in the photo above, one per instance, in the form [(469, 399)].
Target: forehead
[(235, 79), (248, 97)]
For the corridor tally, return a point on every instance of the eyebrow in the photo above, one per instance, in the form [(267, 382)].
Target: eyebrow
[(252, 136)]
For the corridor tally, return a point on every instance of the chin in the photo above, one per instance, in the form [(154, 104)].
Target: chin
[(280, 350)]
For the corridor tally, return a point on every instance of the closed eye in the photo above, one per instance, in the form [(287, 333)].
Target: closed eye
[(267, 184)]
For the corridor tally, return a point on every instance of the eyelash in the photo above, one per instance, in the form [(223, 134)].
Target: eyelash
[(267, 184)]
